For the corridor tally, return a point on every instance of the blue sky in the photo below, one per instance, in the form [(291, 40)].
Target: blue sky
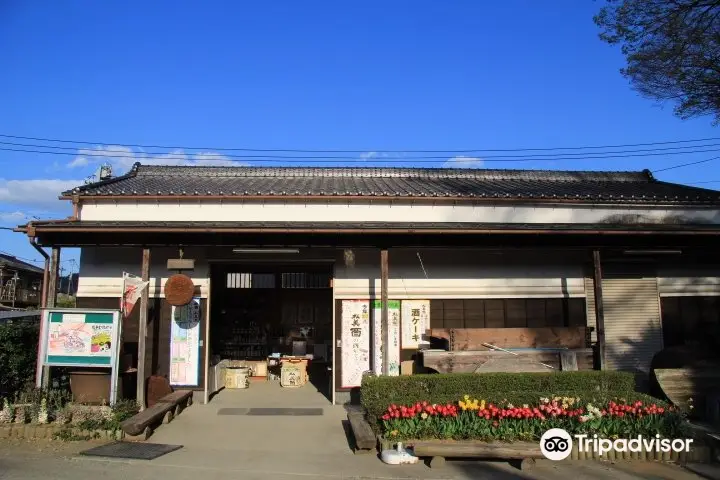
[(368, 76)]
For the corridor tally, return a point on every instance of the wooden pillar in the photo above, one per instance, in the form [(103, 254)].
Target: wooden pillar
[(51, 299), (384, 323), (52, 286), (44, 288), (142, 329), (599, 310)]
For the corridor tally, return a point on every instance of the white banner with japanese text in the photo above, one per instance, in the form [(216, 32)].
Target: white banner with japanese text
[(393, 334), (415, 321), (355, 338)]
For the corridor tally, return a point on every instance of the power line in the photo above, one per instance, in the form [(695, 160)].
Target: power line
[(334, 159), (278, 150), (178, 155), (705, 182), (686, 164), (30, 259)]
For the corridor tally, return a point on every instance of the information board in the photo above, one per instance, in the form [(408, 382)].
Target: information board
[(72, 337), (87, 339), (355, 338), (393, 334), (185, 344), (415, 321)]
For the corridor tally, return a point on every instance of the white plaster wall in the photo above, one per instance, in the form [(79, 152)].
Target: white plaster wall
[(460, 274), (383, 211), (450, 273), (101, 270), (694, 281)]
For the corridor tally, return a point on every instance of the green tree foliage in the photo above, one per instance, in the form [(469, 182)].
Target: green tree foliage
[(18, 353), (672, 49)]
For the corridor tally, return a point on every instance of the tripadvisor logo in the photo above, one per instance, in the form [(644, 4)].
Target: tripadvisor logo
[(557, 444)]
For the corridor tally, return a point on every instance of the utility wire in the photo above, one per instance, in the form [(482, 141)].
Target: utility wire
[(277, 150), (686, 164), (369, 161), (111, 154)]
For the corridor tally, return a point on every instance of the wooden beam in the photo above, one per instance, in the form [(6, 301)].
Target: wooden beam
[(142, 330), (599, 309), (384, 317), (51, 298), (44, 291), (52, 284)]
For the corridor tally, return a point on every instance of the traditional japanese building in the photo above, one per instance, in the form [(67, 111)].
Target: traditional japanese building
[(296, 258)]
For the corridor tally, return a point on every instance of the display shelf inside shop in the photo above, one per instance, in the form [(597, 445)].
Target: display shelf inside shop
[(243, 340)]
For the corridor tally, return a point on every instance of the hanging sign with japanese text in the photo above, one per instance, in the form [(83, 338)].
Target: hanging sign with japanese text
[(415, 321), (393, 334), (355, 342), (185, 344)]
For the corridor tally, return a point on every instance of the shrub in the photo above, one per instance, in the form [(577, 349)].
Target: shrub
[(377, 393), (18, 354)]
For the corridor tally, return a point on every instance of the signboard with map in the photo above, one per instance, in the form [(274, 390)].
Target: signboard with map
[(185, 344), (81, 339), (72, 337)]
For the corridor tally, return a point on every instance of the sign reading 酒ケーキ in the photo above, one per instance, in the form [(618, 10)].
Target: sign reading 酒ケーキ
[(355, 339), (415, 321)]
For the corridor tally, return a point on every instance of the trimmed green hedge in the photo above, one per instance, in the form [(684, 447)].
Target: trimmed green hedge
[(18, 354), (377, 393)]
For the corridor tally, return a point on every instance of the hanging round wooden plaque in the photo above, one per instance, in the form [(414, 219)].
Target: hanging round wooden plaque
[(179, 290)]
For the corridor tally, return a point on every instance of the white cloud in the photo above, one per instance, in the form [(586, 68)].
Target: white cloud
[(122, 158), (463, 162), (41, 194), (13, 217), (368, 155)]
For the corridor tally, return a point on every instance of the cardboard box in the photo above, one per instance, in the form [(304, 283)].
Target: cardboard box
[(407, 367)]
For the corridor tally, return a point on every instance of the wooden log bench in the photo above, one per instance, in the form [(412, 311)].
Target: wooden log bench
[(365, 440), (141, 426), (439, 450)]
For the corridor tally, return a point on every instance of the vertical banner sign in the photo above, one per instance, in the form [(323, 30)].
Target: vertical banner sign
[(132, 289), (393, 337), (185, 344), (355, 338), (415, 321)]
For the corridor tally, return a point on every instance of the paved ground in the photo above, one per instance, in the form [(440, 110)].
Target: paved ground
[(283, 448)]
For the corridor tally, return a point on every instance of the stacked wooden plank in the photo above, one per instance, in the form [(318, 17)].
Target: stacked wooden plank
[(475, 350)]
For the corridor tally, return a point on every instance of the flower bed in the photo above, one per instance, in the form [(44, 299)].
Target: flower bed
[(42, 414), (473, 419)]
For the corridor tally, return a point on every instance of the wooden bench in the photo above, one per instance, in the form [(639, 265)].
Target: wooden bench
[(142, 425), (180, 399), (365, 440), (439, 450)]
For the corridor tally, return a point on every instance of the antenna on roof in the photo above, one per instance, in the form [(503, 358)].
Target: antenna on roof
[(105, 171)]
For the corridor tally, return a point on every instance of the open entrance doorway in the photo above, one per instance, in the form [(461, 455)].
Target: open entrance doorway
[(267, 316)]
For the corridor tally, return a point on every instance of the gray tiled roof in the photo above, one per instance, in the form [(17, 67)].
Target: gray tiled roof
[(13, 263), (617, 187)]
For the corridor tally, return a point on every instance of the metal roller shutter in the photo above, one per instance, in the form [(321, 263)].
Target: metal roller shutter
[(590, 307), (633, 331)]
